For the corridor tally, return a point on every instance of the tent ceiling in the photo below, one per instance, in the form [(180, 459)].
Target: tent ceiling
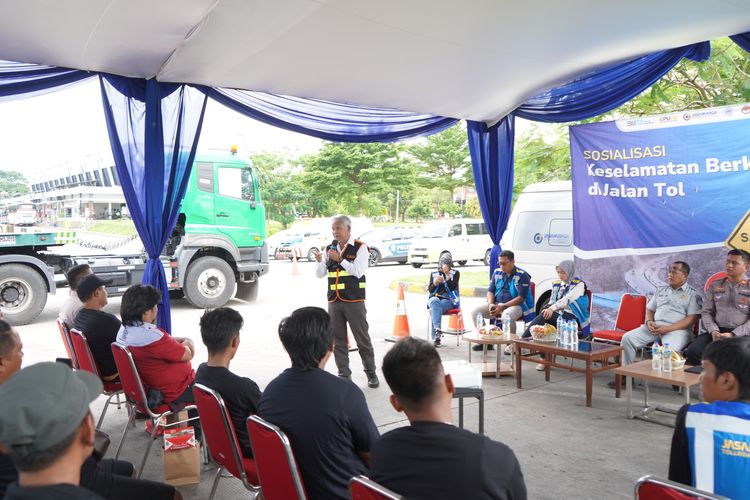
[(476, 59)]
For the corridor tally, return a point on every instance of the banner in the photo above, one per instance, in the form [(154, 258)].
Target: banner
[(651, 190)]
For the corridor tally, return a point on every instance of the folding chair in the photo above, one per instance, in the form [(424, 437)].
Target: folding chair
[(630, 315), (221, 440), (362, 488), (653, 488), (85, 361), (278, 472), (65, 335), (455, 325), (135, 394)]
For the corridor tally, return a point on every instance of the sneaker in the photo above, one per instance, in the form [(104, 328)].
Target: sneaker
[(372, 381), (479, 347), (540, 367), (508, 349), (436, 342)]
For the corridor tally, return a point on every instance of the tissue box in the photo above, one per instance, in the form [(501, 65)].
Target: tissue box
[(463, 374)]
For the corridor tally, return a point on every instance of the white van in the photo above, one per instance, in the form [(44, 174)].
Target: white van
[(540, 233), (461, 239)]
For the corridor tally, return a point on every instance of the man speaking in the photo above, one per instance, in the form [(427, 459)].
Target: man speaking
[(345, 262)]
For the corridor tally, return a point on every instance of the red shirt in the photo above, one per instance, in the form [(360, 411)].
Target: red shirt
[(158, 358)]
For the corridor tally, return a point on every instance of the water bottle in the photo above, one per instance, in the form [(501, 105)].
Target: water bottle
[(574, 334), (479, 321), (666, 358), (506, 324), (560, 336), (656, 356)]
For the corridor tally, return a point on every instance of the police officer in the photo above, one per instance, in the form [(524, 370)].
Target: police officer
[(726, 308), (345, 262)]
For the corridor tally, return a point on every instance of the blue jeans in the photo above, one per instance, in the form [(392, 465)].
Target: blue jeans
[(437, 307)]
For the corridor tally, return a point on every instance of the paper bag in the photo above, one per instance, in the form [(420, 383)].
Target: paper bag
[(182, 464)]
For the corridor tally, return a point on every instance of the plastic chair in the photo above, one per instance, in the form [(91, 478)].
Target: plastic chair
[(85, 361), (278, 472), (221, 440), (362, 488), (630, 315), (455, 324), (653, 488), (65, 335), (135, 394)]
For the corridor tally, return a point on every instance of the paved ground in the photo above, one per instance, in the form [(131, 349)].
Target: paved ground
[(565, 449)]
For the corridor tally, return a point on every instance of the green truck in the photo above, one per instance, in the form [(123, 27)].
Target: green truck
[(217, 250)]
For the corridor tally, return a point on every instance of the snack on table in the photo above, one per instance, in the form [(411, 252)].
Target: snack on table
[(493, 331), (677, 361), (544, 333)]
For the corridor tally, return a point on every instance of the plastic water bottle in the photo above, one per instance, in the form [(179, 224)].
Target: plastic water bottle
[(666, 358), (506, 324), (656, 356), (479, 321), (560, 335), (573, 334)]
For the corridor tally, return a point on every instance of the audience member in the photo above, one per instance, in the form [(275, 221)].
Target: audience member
[(711, 440), (100, 328), (69, 309), (109, 478), (325, 417), (220, 331), (670, 315), (443, 288), (163, 361), (726, 308), (509, 290), (431, 458)]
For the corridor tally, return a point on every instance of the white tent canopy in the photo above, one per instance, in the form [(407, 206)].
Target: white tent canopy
[(476, 59)]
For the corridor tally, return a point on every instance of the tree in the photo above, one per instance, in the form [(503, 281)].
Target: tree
[(420, 208), (347, 176), (281, 187), (443, 161), (13, 183)]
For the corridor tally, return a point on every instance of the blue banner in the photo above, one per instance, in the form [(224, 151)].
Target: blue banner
[(677, 180)]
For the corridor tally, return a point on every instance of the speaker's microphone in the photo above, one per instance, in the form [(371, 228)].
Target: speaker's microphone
[(334, 245)]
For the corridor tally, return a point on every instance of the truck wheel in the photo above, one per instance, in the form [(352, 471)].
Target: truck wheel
[(247, 291), (23, 293), (462, 262), (486, 259), (209, 283), (416, 265), (374, 257)]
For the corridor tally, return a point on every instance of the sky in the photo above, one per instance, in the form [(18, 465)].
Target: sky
[(63, 130)]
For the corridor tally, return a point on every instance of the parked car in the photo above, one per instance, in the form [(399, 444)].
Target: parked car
[(316, 233), (275, 240), (389, 244), (461, 239)]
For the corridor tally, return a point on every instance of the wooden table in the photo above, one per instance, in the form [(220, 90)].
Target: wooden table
[(590, 352), (489, 369), (643, 371)]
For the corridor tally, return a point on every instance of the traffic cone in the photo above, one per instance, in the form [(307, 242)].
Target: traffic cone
[(295, 268), (401, 322), (456, 322)]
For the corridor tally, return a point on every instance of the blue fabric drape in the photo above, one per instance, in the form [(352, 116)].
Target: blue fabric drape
[(327, 120), (743, 40), (153, 129), (19, 80), (491, 151)]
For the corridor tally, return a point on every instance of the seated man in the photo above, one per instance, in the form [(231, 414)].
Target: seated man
[(220, 331), (431, 458), (443, 289), (726, 308), (106, 477), (325, 417), (100, 328), (670, 315), (509, 290), (69, 309), (711, 441)]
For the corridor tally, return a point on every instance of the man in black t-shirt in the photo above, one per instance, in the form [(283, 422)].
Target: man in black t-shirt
[(325, 417), (220, 331), (100, 328), (431, 458)]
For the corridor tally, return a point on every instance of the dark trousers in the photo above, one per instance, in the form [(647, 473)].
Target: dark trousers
[(355, 314), (694, 351), (188, 398), (113, 479)]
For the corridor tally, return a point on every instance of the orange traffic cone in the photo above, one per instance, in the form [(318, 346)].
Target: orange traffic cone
[(401, 322), (456, 322)]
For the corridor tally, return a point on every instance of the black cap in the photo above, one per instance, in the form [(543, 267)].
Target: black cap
[(89, 284)]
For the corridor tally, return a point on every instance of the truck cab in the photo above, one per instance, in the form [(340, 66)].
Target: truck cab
[(219, 244)]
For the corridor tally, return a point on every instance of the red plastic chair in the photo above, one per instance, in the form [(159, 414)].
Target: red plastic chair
[(712, 278), (362, 488), (653, 488), (85, 361), (65, 335), (630, 315), (221, 440), (135, 394), (278, 472)]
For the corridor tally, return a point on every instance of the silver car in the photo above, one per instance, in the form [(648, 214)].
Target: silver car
[(389, 244)]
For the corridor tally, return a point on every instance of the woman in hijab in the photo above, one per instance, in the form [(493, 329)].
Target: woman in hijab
[(443, 289)]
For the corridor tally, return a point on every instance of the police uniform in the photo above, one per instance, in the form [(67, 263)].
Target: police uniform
[(346, 304), (670, 305), (726, 308)]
